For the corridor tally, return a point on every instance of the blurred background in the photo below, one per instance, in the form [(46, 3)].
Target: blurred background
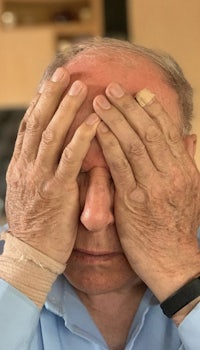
[(33, 31)]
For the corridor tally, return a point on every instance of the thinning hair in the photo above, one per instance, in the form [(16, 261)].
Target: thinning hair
[(171, 70)]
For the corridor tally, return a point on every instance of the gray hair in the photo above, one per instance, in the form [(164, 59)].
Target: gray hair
[(171, 70)]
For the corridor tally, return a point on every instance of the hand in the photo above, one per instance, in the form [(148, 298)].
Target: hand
[(42, 201), (157, 190)]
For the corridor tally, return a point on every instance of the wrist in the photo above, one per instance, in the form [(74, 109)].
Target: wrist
[(163, 282), (27, 269), (181, 298)]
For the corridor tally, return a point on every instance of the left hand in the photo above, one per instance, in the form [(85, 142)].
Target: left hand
[(157, 190)]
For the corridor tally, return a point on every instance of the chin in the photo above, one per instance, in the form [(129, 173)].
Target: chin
[(100, 279)]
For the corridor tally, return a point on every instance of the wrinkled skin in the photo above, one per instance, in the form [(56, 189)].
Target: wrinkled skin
[(37, 189), (155, 184), (157, 188)]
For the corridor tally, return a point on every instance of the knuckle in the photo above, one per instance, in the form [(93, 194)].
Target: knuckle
[(22, 127), (48, 91), (68, 156), (136, 148), (69, 160), (153, 134), (129, 104), (46, 190), (135, 196), (110, 143), (173, 135), (158, 110), (49, 136), (120, 164), (82, 133), (34, 122), (31, 107)]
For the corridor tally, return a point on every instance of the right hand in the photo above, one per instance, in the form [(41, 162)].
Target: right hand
[(42, 200)]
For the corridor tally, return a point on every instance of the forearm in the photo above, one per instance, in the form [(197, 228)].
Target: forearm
[(27, 269), (180, 293)]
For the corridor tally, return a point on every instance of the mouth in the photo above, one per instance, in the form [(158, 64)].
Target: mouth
[(93, 255)]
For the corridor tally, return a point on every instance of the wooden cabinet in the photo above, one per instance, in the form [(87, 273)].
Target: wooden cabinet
[(31, 32)]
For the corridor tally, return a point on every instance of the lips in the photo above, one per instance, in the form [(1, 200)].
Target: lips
[(94, 253), (94, 257)]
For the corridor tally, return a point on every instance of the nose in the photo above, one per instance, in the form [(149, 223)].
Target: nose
[(97, 212)]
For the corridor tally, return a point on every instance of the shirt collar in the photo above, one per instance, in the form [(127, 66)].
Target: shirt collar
[(63, 301)]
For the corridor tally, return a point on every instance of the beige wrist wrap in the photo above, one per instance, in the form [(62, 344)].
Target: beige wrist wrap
[(27, 269)]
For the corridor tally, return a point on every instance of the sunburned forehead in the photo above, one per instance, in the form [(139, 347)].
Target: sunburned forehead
[(97, 69)]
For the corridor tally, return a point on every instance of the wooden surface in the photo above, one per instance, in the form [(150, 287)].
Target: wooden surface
[(24, 55), (173, 26), (29, 46)]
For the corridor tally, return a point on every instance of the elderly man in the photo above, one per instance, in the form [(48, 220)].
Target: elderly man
[(103, 207)]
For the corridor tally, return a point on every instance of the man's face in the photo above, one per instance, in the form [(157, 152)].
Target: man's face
[(98, 264)]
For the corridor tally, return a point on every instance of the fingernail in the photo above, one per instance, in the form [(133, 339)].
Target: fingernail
[(57, 75), (103, 102), (103, 128), (76, 88), (144, 97), (115, 90), (92, 119)]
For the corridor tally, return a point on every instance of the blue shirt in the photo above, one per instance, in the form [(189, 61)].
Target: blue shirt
[(64, 323)]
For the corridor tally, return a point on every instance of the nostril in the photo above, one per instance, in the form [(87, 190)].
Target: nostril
[(96, 221)]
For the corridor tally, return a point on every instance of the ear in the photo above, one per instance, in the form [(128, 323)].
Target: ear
[(190, 142)]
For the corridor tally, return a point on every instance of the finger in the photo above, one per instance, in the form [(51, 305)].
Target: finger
[(149, 132), (119, 166), (130, 142), (173, 132), (22, 127), (144, 154), (43, 112), (55, 134), (75, 152)]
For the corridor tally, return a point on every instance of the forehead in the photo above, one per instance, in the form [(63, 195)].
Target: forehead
[(98, 68)]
